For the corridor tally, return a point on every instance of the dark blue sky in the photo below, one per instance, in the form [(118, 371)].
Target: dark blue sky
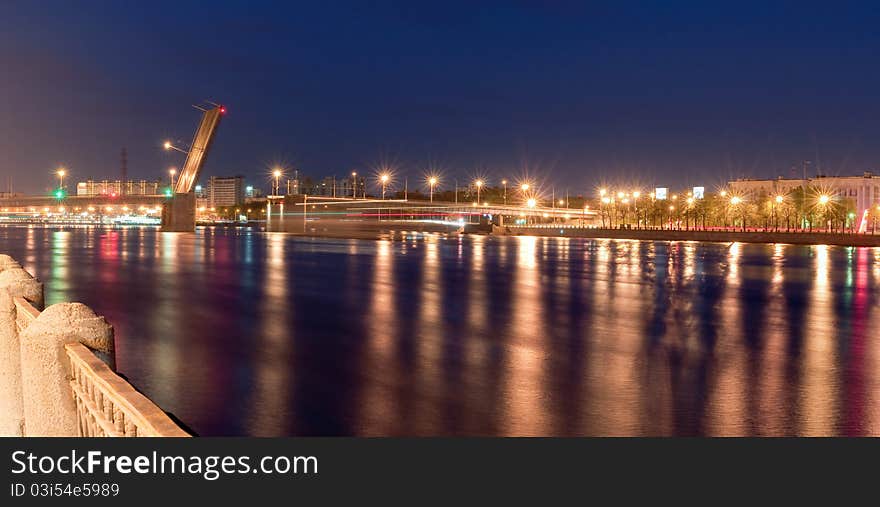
[(576, 93)]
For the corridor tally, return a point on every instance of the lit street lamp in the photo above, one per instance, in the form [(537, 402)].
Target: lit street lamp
[(824, 199), (432, 181), (61, 172), (354, 184), (169, 146), (384, 180), (172, 172), (479, 184), (778, 200), (277, 175), (504, 182), (736, 201)]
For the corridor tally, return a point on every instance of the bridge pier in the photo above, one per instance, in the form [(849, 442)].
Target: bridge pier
[(179, 213)]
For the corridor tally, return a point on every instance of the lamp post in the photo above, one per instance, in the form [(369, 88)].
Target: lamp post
[(354, 184), (736, 201), (169, 146), (823, 202), (778, 200), (277, 175), (384, 180), (504, 182), (531, 203), (479, 185), (61, 172), (432, 181), (172, 172)]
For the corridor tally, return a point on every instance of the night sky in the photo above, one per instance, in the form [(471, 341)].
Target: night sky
[(573, 93)]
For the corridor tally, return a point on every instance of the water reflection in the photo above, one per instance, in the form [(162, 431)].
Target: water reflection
[(240, 332)]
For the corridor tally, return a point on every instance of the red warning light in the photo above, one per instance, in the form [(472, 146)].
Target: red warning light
[(113, 194), (223, 110)]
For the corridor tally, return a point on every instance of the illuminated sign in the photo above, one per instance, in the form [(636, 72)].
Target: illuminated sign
[(699, 192), (660, 193)]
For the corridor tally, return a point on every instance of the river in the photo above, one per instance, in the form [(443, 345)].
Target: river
[(240, 332)]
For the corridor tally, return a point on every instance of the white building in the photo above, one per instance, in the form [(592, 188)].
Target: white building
[(864, 190)]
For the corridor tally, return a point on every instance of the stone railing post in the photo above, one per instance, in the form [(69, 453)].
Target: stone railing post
[(49, 406), (14, 282)]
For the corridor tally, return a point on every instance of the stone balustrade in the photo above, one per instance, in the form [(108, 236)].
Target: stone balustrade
[(57, 370)]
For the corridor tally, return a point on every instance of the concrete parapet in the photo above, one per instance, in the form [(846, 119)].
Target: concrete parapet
[(7, 262), (14, 282), (49, 408)]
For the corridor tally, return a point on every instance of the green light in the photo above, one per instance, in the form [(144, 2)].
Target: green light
[(59, 194), (852, 215), (168, 192)]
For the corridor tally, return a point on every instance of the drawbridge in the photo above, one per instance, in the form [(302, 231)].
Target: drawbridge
[(179, 212)]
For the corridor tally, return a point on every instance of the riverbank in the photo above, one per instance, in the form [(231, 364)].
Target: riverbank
[(792, 238), (357, 229)]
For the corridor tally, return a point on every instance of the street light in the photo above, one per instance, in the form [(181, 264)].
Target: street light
[(431, 182), (354, 184), (524, 187), (823, 199), (277, 175), (172, 172), (61, 172), (384, 179), (736, 201), (504, 182), (169, 146), (479, 184), (531, 203)]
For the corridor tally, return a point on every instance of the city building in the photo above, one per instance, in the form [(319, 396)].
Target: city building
[(329, 186), (106, 187), (252, 192), (225, 190), (862, 191), (754, 188)]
